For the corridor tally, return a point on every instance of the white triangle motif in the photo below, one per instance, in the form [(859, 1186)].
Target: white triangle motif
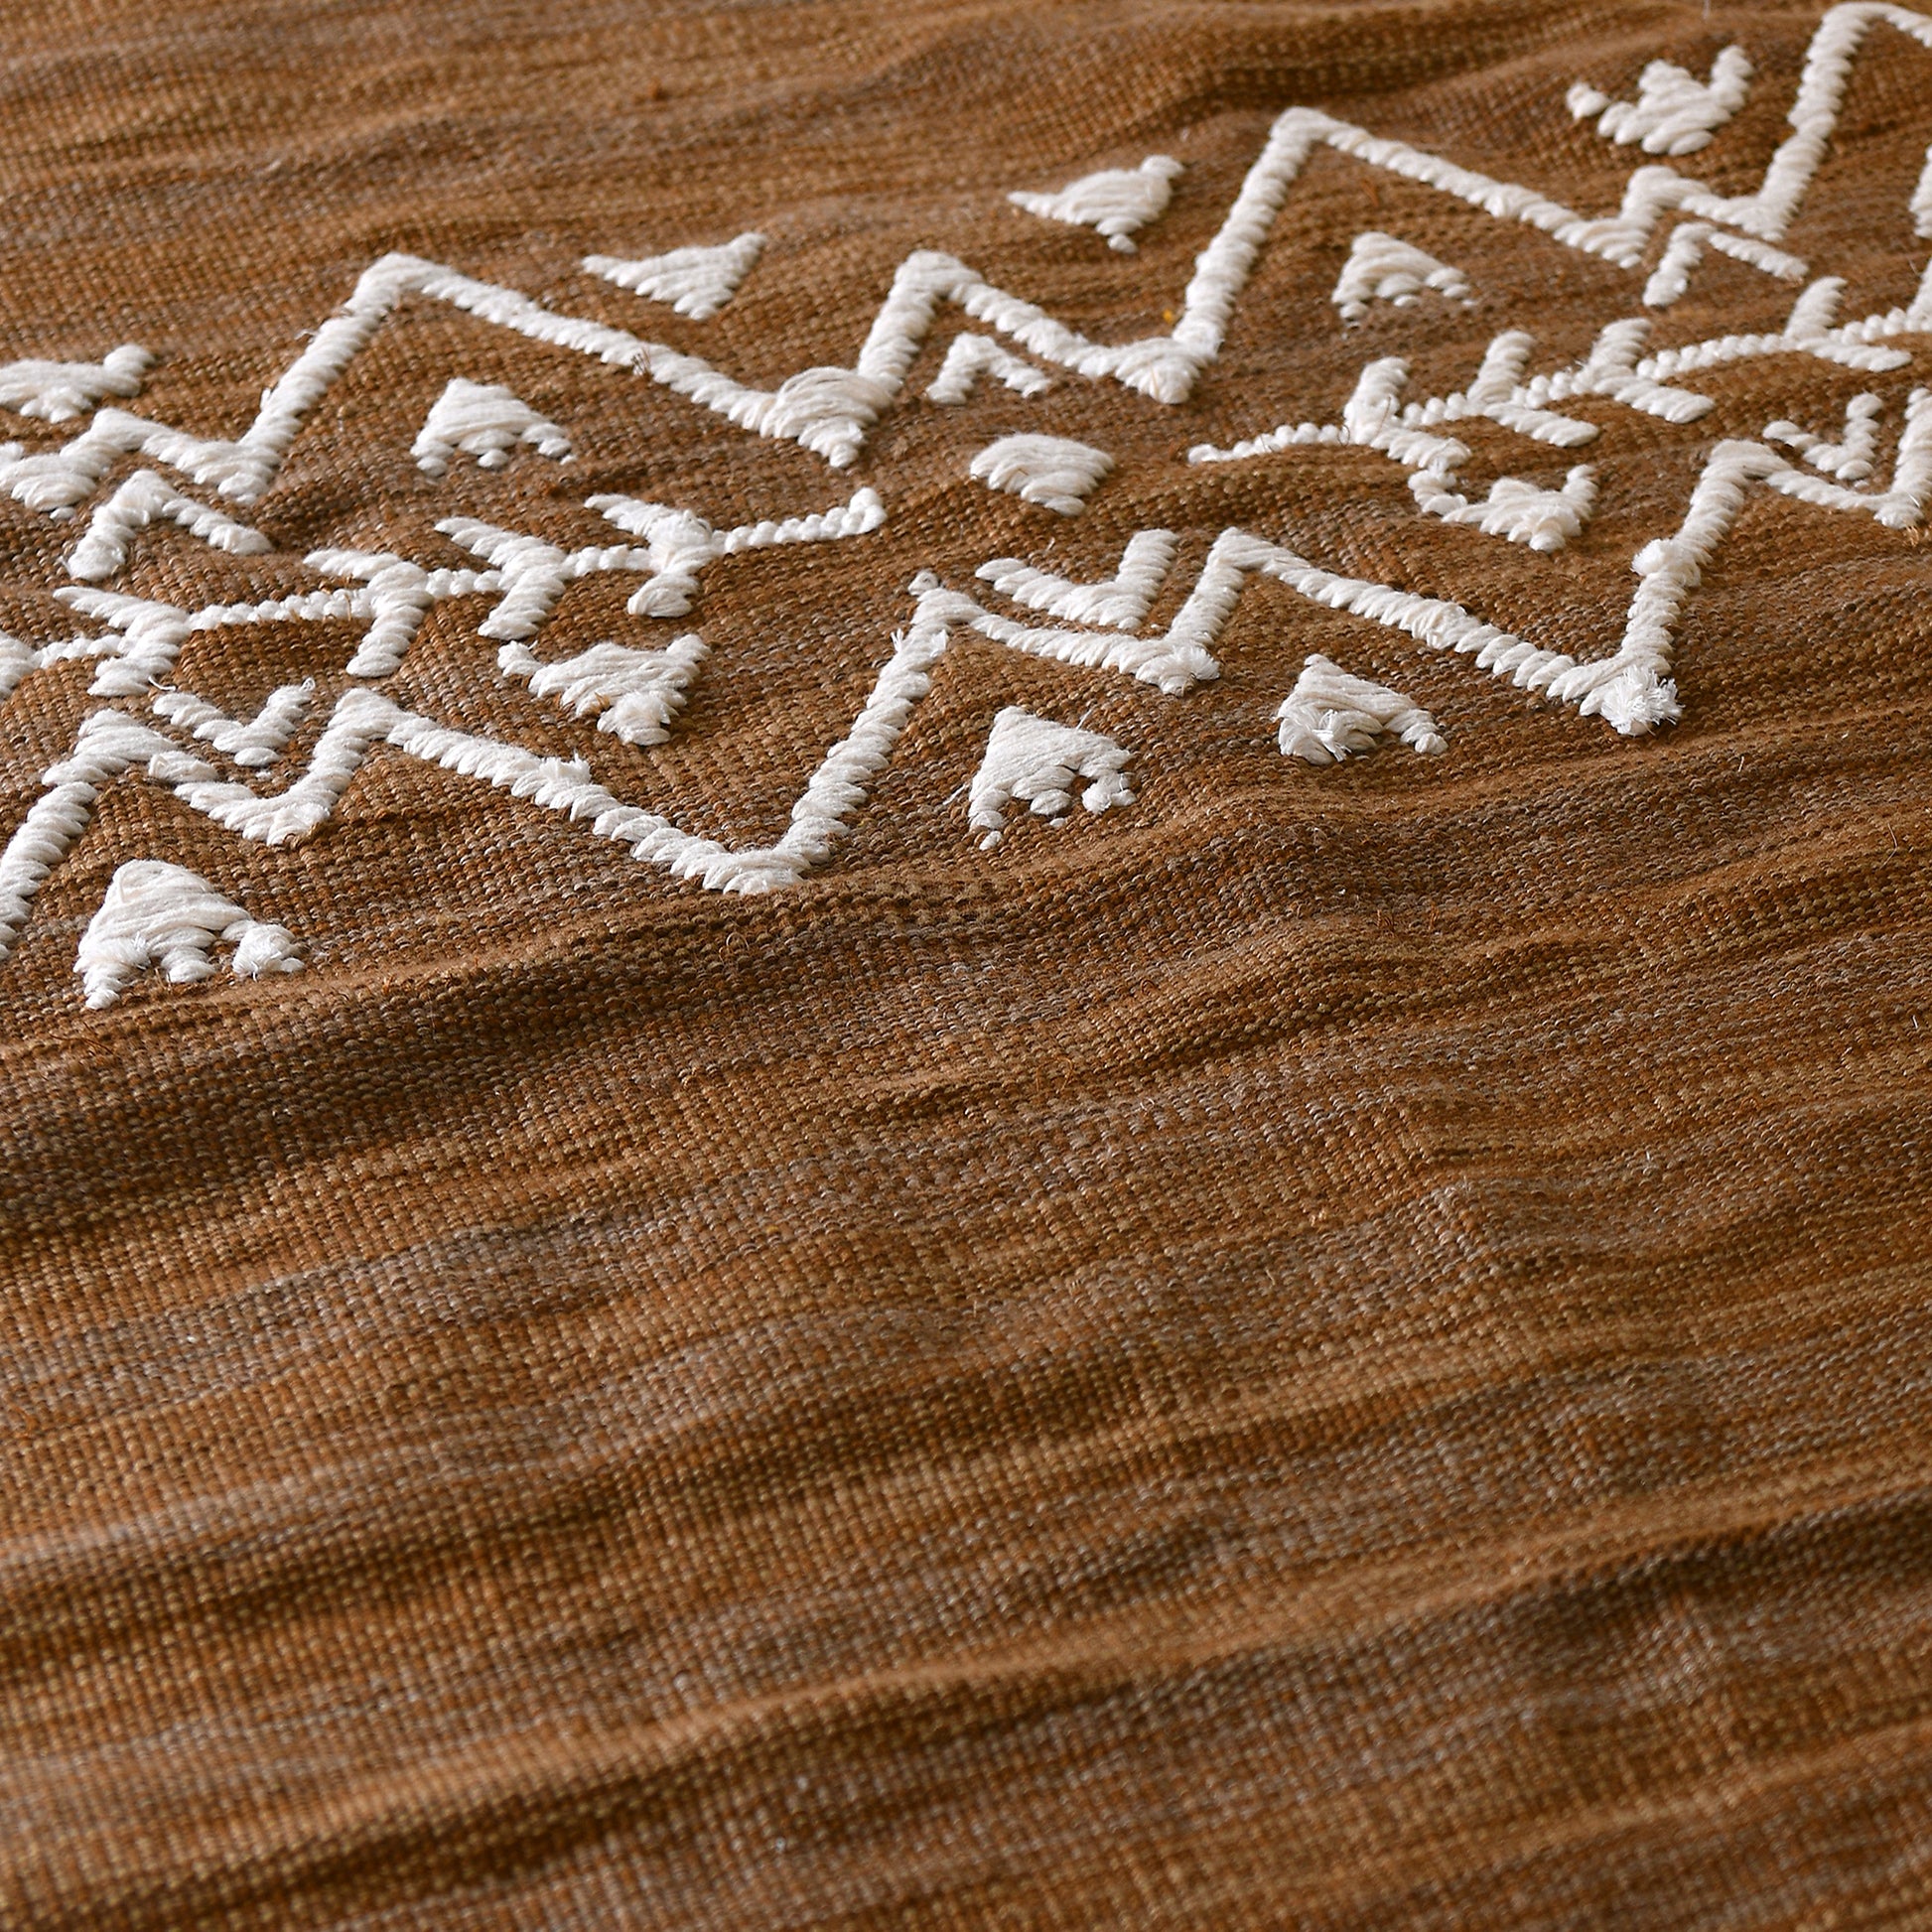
[(635, 693), (158, 915), (251, 742), (1048, 470), (696, 282), (485, 420), (1380, 268), (1042, 765), (1329, 714)]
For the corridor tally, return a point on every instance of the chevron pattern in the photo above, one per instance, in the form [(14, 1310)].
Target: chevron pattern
[(125, 471)]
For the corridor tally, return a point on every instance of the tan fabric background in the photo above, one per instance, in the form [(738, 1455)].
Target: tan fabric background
[(1338, 1348)]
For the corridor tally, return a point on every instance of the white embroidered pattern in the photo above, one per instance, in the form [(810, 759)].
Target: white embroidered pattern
[(1119, 602), (678, 543), (633, 694), (1052, 471), (633, 689), (166, 918), (144, 499), (1850, 459), (1042, 764), (252, 743), (1116, 202), (1674, 112), (1380, 268), (1331, 714), (485, 420), (696, 282), (1545, 519), (972, 357), (57, 392), (1685, 251)]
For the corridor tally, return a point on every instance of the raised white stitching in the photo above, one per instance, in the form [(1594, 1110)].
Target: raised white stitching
[(1331, 714), (160, 915), (1042, 764)]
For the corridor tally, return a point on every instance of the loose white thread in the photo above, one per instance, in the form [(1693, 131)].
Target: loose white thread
[(1116, 202), (1331, 714), (1382, 269), (158, 915), (1052, 471), (1674, 112), (1042, 764), (485, 420), (696, 282)]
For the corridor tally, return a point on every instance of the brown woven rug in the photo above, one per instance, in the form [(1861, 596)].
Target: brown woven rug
[(966, 964)]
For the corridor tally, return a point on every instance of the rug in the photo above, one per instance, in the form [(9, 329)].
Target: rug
[(965, 964)]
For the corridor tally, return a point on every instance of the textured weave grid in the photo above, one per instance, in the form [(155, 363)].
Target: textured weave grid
[(1326, 1347)]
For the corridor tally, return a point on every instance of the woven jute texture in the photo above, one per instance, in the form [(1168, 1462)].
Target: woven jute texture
[(1326, 1346)]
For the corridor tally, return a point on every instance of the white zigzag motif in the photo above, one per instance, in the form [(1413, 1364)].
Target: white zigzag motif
[(1631, 690), (634, 694), (1117, 602), (1849, 460), (830, 409), (1674, 112)]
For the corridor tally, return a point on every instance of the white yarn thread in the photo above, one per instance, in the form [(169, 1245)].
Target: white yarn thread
[(160, 915), (1331, 714), (1042, 765)]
